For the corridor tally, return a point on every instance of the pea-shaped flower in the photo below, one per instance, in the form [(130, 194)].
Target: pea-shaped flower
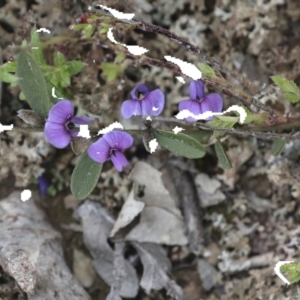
[(143, 102), (60, 122), (110, 147), (200, 103)]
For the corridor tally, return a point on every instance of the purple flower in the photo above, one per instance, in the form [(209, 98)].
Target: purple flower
[(143, 102), (43, 185), (60, 122), (199, 103), (110, 146)]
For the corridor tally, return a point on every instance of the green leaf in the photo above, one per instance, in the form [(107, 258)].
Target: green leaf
[(88, 30), (22, 96), (291, 97), (290, 89), (37, 51), (223, 121), (222, 156), (120, 57), (277, 146), (78, 27), (10, 66), (111, 70), (252, 117), (59, 59), (75, 66), (291, 271), (180, 144), (103, 29), (65, 78), (8, 77), (33, 83), (207, 70), (202, 136), (85, 176)]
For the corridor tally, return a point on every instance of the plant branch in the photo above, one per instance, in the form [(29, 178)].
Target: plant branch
[(135, 24)]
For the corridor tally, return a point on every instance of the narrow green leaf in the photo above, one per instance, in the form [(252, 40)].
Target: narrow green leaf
[(207, 70), (180, 144), (22, 96), (65, 78), (223, 121), (289, 88), (120, 57), (85, 176), (78, 27), (202, 136), (277, 146), (10, 66), (111, 70), (8, 77), (75, 66), (36, 49), (88, 30), (59, 59), (291, 271), (291, 97), (286, 85), (222, 156), (33, 83)]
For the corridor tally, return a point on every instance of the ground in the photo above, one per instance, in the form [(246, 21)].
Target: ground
[(249, 214)]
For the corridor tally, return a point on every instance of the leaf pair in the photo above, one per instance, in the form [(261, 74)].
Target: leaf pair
[(290, 90)]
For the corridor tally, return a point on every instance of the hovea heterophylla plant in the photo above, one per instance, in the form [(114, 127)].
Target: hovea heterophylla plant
[(37, 78)]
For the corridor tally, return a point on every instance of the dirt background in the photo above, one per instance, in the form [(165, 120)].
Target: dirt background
[(250, 219)]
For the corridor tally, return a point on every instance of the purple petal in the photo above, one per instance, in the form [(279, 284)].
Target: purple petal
[(119, 160), (141, 88), (61, 112), (99, 151), (192, 106), (57, 134), (197, 89), (153, 103), (131, 108), (212, 102), (118, 139), (43, 185), (81, 120)]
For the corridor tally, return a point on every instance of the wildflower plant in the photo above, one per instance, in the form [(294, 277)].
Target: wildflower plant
[(46, 88)]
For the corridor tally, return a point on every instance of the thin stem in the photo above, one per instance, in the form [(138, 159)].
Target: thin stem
[(135, 24), (261, 135)]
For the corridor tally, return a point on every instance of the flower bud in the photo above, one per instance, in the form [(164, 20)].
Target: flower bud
[(31, 117)]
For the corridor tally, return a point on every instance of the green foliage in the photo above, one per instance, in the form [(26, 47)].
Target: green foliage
[(291, 271), (85, 176), (222, 121), (207, 70), (57, 183), (74, 67), (88, 30), (202, 136), (290, 90), (37, 51), (10, 66), (222, 156), (277, 146), (252, 117), (111, 70), (8, 77), (180, 144), (33, 83)]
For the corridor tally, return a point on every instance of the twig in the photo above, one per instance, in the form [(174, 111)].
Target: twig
[(135, 24), (216, 83)]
